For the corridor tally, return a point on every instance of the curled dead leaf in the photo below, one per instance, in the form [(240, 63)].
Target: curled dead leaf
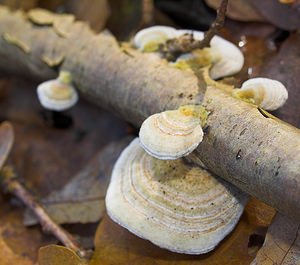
[(59, 255)]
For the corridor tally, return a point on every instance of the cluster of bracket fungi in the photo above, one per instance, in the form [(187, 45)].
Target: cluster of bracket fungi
[(155, 191)]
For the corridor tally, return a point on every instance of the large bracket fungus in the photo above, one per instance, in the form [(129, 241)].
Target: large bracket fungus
[(175, 205)]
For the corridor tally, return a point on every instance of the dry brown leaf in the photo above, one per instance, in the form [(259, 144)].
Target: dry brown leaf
[(285, 67), (115, 245), (259, 213), (282, 243), (240, 10), (18, 242), (95, 12), (282, 15), (8, 257), (254, 41), (58, 255), (82, 199)]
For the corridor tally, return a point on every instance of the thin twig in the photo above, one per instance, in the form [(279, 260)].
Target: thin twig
[(186, 43), (216, 25), (11, 184), (147, 13)]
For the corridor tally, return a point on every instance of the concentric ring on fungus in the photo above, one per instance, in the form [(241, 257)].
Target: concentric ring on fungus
[(170, 134), (175, 205), (267, 93)]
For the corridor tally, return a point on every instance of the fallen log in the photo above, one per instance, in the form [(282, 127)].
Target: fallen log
[(242, 144)]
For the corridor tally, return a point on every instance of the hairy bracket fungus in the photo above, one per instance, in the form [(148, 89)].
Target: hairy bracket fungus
[(225, 57), (174, 133), (149, 39), (264, 92), (58, 94), (175, 205)]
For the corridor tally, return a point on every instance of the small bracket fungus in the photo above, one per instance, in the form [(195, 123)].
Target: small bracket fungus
[(149, 39), (173, 134), (171, 203), (58, 94), (264, 92), (226, 58)]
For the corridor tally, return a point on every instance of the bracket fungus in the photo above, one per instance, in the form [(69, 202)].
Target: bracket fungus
[(173, 204), (226, 58), (149, 39), (174, 133), (58, 94), (266, 93)]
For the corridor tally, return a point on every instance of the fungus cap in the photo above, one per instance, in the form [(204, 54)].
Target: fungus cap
[(227, 58), (148, 39), (173, 204), (171, 134), (267, 93), (57, 94)]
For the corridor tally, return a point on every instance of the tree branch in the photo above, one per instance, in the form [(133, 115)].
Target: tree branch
[(216, 26), (136, 85), (186, 43)]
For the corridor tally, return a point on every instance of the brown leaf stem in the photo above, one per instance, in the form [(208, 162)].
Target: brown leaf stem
[(12, 185)]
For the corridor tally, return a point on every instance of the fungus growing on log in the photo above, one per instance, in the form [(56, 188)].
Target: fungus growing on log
[(174, 133), (175, 205), (266, 93), (58, 94)]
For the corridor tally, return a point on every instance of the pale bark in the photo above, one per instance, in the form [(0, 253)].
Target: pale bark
[(260, 155)]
